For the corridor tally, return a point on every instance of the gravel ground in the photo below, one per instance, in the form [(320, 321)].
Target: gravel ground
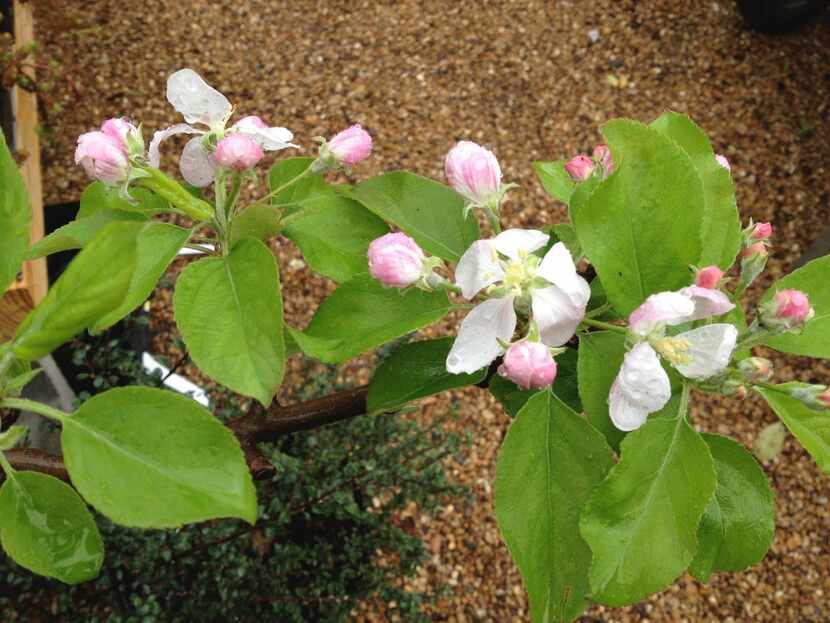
[(533, 80)]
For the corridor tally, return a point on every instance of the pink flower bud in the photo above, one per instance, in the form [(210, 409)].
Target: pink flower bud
[(396, 260), (824, 398), (580, 167), (238, 152), (792, 305), (756, 369), (351, 145), (722, 161), (759, 249), (473, 172), (762, 231), (119, 129), (708, 277), (529, 365), (603, 155), (103, 157)]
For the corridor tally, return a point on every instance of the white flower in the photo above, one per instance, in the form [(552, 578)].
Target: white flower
[(200, 103), (642, 385), (550, 288)]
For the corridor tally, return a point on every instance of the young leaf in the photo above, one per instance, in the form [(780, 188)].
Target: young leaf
[(739, 523), (229, 311), (641, 233), (811, 428), (149, 458), (98, 197), (549, 463), (555, 179), (362, 314), (15, 217), (46, 528), (433, 214), (78, 233), (110, 277), (414, 371), (721, 233), (814, 339), (642, 520), (334, 235), (600, 357)]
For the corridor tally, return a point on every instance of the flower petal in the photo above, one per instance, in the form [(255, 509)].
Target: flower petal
[(478, 268), (710, 349), (269, 139), (641, 387), (195, 99), (511, 242), (197, 166), (180, 128), (558, 268), (476, 345), (670, 308), (555, 314), (708, 302)]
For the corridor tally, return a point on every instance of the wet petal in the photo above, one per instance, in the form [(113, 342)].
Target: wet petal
[(555, 314), (558, 268), (670, 308), (710, 349), (269, 139), (641, 387), (158, 137), (478, 268), (195, 99), (708, 302), (511, 242), (197, 166), (476, 345)]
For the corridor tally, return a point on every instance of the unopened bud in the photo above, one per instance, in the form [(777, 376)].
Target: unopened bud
[(816, 397), (787, 310), (753, 260), (580, 167), (761, 231), (529, 365), (708, 277), (474, 173), (238, 152), (756, 369), (351, 145), (602, 154), (396, 260), (103, 157)]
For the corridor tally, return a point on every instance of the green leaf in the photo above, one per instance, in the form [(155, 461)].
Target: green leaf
[(565, 233), (78, 233), (46, 528), (433, 214), (15, 218), (811, 428), (511, 396), (256, 221), (229, 311), (110, 277), (414, 371), (333, 234), (312, 186), (739, 523), (362, 314), (12, 436), (641, 227), (150, 458), (566, 385), (814, 340), (600, 357), (642, 521), (98, 197), (555, 179), (549, 463), (721, 230)]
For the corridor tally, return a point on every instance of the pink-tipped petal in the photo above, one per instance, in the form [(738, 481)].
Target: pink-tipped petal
[(663, 308), (707, 302)]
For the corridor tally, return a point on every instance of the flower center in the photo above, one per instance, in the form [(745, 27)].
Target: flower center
[(675, 350), (520, 273)]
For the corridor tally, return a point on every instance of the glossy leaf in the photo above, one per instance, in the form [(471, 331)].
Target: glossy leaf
[(549, 463), (414, 371), (721, 229), (98, 197), (311, 187), (333, 234), (640, 232), (110, 277), (814, 341), (642, 520), (811, 428), (229, 311), (511, 396), (739, 523), (256, 221), (79, 233), (15, 217), (433, 214), (555, 179), (361, 314), (150, 458), (46, 528), (600, 357)]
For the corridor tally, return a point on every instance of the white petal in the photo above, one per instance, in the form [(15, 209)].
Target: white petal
[(555, 314), (476, 345), (270, 139), (158, 137), (197, 166), (708, 302), (511, 242), (478, 268), (195, 99), (641, 387), (558, 268), (670, 308), (710, 349)]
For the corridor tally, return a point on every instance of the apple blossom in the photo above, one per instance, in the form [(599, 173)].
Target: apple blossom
[(529, 365), (103, 157), (475, 174), (351, 145), (787, 310), (238, 152), (396, 260)]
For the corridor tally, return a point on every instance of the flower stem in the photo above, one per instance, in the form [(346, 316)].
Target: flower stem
[(173, 192), (264, 199), (598, 324), (35, 407)]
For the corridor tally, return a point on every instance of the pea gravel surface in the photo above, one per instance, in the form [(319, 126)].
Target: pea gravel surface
[(533, 81)]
